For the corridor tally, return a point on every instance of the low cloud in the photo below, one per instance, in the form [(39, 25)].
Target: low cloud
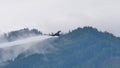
[(9, 51)]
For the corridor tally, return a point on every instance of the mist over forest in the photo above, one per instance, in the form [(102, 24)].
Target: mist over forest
[(80, 48)]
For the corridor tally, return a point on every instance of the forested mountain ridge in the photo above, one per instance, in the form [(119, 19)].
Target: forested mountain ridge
[(81, 48), (20, 34)]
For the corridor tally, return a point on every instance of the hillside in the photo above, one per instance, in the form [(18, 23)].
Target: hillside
[(19, 34), (81, 48)]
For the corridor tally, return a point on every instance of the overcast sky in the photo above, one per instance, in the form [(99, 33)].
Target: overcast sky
[(52, 15)]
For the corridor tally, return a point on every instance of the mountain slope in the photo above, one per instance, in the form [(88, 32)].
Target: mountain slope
[(19, 34), (82, 48)]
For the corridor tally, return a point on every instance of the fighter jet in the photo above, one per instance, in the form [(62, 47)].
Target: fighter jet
[(55, 34)]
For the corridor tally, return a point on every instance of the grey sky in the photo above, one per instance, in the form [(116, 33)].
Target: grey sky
[(53, 15)]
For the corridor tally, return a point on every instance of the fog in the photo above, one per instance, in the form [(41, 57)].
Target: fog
[(9, 51), (24, 41)]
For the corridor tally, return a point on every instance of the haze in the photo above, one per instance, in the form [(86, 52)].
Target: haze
[(52, 15)]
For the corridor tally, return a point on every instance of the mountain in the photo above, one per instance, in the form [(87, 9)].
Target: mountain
[(19, 34), (81, 48)]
